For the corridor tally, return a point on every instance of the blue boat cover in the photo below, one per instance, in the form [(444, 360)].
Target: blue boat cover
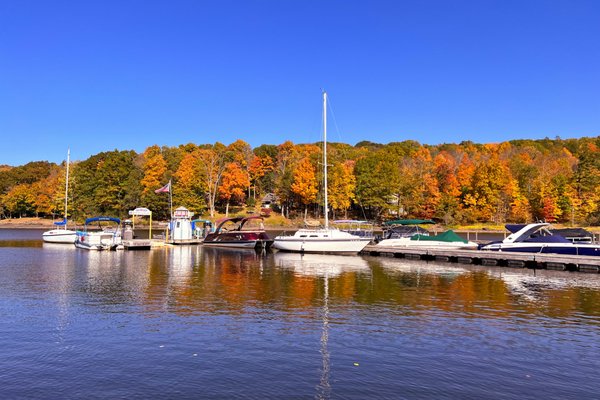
[(102, 219), (514, 228), (61, 223)]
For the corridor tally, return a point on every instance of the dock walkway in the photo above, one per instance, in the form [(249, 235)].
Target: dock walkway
[(502, 258)]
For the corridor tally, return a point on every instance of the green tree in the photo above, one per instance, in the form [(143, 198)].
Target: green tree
[(377, 182), (107, 183)]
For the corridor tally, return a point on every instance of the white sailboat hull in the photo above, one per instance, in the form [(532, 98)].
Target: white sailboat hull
[(60, 236), (321, 241)]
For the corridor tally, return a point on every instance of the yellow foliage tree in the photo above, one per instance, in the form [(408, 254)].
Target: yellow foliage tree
[(305, 183), (342, 186)]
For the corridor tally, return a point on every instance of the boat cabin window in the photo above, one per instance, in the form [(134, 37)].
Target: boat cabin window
[(314, 235)]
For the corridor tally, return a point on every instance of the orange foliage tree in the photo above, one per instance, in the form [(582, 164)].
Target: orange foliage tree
[(234, 184)]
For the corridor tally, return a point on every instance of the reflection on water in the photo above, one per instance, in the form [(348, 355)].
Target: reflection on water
[(323, 265), (187, 322)]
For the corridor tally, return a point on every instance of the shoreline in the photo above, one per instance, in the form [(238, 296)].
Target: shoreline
[(39, 223)]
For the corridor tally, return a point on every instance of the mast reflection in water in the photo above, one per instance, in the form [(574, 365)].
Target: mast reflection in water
[(322, 266), (192, 322)]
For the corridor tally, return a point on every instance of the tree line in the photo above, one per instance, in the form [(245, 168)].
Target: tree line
[(554, 180)]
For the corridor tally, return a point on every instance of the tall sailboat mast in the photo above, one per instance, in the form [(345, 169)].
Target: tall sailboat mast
[(326, 210), (67, 184)]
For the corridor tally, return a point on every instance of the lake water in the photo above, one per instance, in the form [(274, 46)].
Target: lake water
[(192, 322)]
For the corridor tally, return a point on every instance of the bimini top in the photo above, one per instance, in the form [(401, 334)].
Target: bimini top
[(235, 220), (532, 233), (102, 219), (409, 222)]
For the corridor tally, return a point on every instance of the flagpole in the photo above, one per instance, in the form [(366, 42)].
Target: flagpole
[(171, 198)]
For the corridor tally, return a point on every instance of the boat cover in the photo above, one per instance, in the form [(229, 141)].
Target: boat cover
[(448, 236), (61, 223)]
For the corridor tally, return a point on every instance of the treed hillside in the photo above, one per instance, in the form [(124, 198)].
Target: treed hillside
[(517, 181)]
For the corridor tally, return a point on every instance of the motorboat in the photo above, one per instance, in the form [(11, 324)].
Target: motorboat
[(405, 228), (108, 237), (62, 234), (239, 232), (448, 239), (575, 235), (537, 238), (326, 239)]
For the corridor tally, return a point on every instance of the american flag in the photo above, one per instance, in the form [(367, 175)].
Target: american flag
[(164, 189)]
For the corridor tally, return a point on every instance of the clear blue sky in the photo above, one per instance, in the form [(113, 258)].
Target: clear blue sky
[(127, 74)]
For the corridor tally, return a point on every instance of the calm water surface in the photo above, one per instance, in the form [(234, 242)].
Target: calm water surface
[(193, 322)]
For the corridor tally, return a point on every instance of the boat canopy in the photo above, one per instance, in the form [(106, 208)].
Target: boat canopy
[(102, 219), (61, 223), (400, 231), (448, 236), (514, 228), (409, 222), (235, 220)]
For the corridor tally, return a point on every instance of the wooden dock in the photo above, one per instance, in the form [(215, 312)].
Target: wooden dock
[(492, 258)]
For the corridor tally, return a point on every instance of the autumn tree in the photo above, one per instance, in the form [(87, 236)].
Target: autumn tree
[(304, 184), (211, 166), (20, 200), (260, 166), (154, 168), (190, 189), (487, 198), (445, 172), (234, 184), (284, 174), (342, 186)]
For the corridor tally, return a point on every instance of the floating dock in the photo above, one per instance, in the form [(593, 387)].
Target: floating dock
[(137, 244), (492, 258), (185, 241)]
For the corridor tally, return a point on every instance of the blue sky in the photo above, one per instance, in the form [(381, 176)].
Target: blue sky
[(103, 75)]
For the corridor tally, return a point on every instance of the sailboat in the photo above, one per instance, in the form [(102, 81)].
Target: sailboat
[(325, 239), (61, 234)]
